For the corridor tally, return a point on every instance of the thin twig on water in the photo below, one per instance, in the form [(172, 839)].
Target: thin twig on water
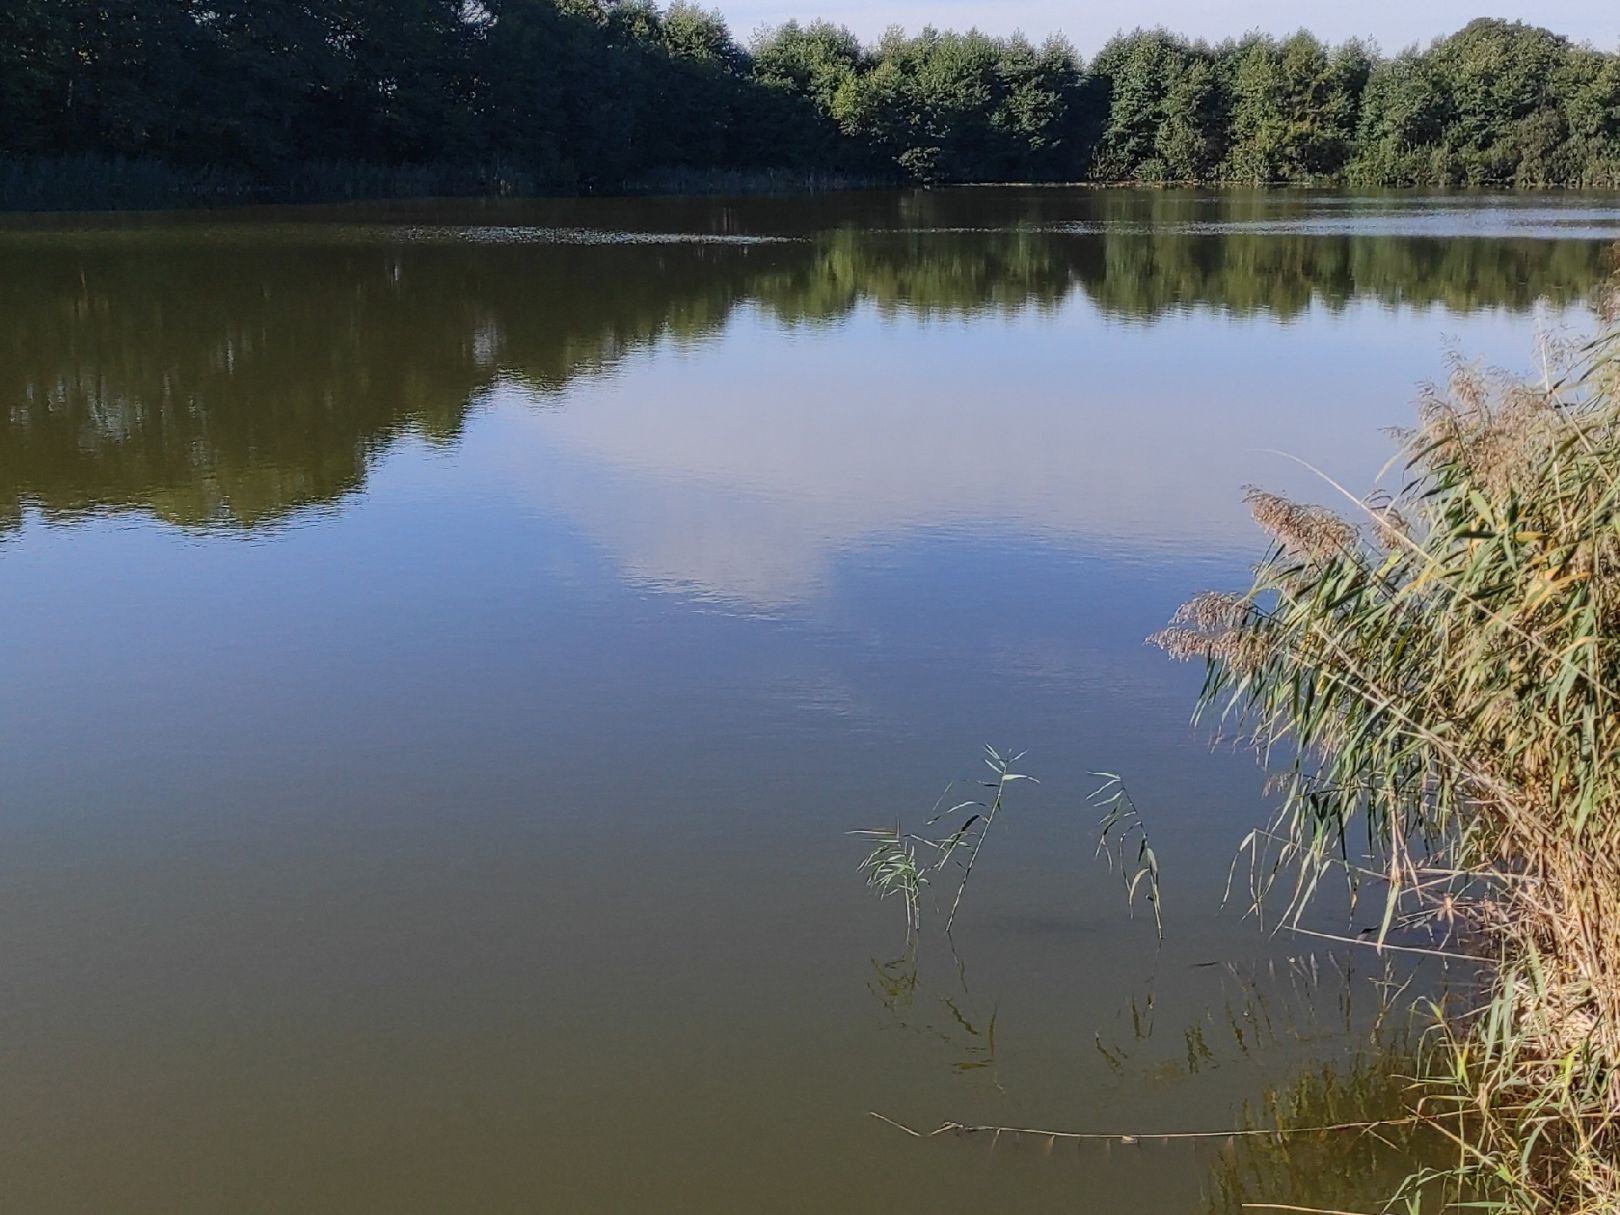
[(959, 1128)]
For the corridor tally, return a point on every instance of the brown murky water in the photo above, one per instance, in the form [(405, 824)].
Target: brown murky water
[(445, 647)]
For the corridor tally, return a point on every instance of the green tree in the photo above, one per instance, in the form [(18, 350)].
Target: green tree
[(1404, 115), (1162, 109), (1191, 137), (1295, 107)]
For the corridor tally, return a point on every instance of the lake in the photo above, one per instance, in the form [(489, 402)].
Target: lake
[(447, 646)]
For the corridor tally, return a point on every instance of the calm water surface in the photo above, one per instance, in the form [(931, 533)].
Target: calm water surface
[(445, 647)]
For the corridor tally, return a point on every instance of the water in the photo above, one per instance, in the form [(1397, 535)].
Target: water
[(446, 646)]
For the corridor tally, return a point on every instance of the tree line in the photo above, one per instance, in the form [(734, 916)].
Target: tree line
[(311, 97)]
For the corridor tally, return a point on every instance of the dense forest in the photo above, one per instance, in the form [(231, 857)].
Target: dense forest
[(126, 101)]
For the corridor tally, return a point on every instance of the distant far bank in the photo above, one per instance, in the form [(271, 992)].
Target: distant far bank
[(150, 189), (163, 103), (90, 185)]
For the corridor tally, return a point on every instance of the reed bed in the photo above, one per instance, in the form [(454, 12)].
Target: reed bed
[(1432, 678)]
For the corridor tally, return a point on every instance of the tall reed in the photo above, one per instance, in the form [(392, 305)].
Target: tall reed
[(1434, 679)]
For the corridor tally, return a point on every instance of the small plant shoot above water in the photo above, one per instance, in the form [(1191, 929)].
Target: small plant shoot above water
[(1122, 832), (902, 863)]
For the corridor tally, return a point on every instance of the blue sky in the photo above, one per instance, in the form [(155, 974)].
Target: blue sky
[(1391, 23)]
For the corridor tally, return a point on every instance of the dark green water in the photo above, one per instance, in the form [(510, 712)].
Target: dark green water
[(445, 647)]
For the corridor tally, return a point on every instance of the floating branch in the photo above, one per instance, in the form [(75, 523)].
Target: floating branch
[(961, 1128)]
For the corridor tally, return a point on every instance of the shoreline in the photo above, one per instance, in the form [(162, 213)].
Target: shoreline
[(721, 184)]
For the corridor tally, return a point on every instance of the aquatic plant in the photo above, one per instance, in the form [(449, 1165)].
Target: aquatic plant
[(893, 866), (1432, 676), (1121, 826)]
